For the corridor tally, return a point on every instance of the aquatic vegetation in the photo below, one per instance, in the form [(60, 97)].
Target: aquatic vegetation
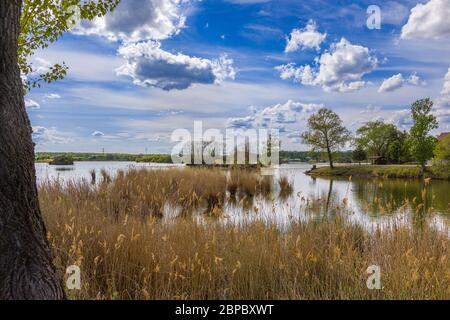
[(93, 175), (133, 258), (106, 177), (144, 192), (286, 188), (114, 232)]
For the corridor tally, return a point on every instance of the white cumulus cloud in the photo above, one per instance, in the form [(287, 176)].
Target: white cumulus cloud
[(397, 81), (97, 134), (443, 103), (429, 20), (308, 37), (446, 86), (135, 20), (31, 104), (43, 135), (53, 96), (275, 117), (244, 122), (339, 69), (148, 65)]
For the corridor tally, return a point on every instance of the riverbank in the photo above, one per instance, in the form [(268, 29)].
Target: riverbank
[(376, 171)]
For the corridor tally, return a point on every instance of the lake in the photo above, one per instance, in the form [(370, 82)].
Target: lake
[(370, 202)]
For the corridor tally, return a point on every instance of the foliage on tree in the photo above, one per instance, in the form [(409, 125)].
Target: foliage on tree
[(441, 165), (420, 142), (359, 154), (155, 158), (326, 133), (398, 150), (375, 137), (442, 151), (44, 22), (62, 160)]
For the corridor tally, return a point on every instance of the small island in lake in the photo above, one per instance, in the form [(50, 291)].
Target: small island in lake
[(61, 161)]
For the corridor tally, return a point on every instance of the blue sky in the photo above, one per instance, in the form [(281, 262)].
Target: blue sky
[(153, 66)]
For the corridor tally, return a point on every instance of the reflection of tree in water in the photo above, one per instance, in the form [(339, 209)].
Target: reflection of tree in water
[(330, 191), (378, 196), (328, 201)]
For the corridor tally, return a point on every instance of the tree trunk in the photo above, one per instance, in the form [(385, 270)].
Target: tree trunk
[(26, 269), (330, 157), (423, 168)]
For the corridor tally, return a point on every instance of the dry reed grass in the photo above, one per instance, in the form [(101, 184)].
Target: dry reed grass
[(126, 253)]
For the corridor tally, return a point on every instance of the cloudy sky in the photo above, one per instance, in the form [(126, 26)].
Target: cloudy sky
[(153, 66)]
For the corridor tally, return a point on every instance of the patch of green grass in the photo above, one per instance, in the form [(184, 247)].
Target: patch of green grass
[(384, 171), (155, 158)]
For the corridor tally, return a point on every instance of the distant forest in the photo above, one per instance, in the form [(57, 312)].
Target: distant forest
[(285, 156), (79, 156), (310, 156)]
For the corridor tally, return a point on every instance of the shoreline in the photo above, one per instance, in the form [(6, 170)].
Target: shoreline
[(375, 171)]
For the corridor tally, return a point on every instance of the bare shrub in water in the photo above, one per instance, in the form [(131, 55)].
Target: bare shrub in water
[(285, 186), (93, 175)]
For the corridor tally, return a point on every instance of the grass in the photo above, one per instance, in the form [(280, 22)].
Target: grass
[(384, 171), (111, 230)]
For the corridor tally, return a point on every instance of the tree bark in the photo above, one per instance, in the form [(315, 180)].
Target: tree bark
[(330, 157), (26, 268), (423, 168)]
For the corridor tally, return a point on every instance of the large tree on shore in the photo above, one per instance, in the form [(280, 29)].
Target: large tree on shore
[(26, 268), (326, 133), (421, 143)]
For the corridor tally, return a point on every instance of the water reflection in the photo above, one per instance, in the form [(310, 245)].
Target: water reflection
[(370, 202), (388, 196)]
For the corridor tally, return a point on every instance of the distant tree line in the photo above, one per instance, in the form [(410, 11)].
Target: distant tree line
[(76, 156), (155, 158), (312, 156), (80, 156)]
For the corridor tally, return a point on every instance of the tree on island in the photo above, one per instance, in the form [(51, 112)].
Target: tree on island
[(359, 154), (422, 144), (326, 133), (398, 150), (375, 137), (26, 268)]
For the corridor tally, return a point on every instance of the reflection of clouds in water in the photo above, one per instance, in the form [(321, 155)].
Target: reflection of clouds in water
[(440, 223), (294, 208)]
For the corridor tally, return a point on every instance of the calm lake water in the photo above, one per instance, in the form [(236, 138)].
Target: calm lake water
[(371, 202)]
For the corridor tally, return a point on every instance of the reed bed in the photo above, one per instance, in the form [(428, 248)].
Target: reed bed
[(144, 192), (245, 183), (126, 253)]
